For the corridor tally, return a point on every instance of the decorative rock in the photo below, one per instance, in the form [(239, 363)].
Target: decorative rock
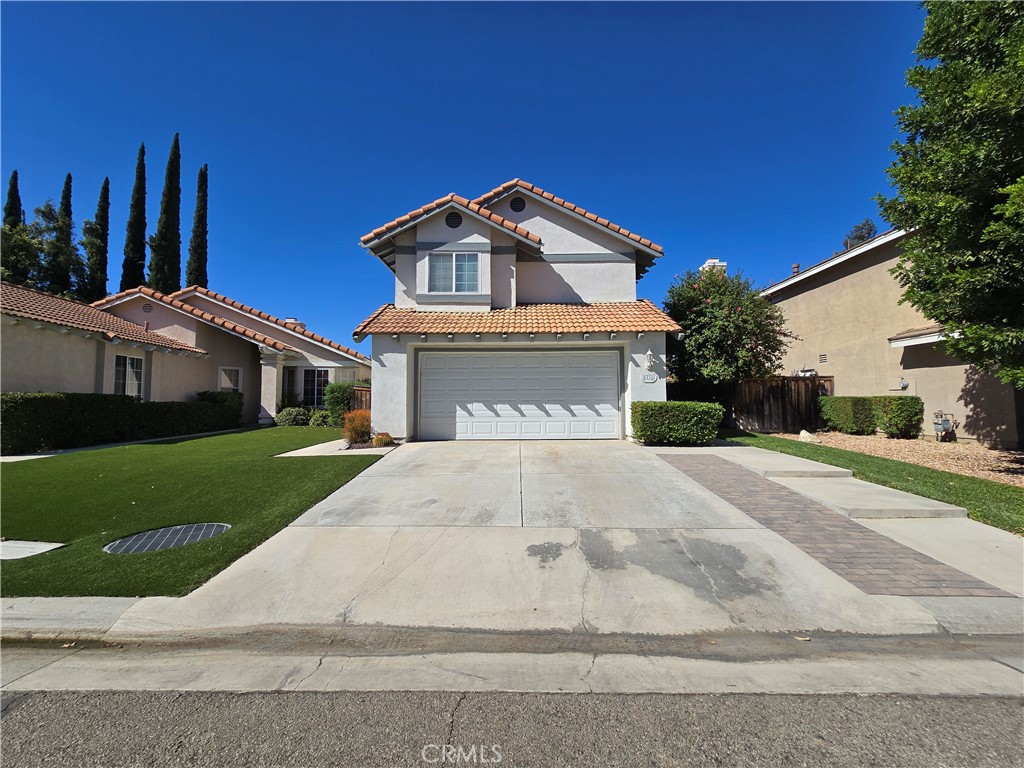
[(807, 437)]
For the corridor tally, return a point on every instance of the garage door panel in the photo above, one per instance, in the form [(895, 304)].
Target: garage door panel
[(513, 395)]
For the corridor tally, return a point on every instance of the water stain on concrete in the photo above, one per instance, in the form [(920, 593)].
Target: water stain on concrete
[(546, 552), (599, 552)]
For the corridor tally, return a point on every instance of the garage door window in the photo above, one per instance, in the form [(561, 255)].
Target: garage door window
[(454, 273)]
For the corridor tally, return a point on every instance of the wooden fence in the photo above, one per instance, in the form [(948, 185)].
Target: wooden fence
[(360, 399), (781, 404)]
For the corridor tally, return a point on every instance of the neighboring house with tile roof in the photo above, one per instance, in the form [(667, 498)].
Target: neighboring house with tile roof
[(515, 317), (846, 312), (143, 343)]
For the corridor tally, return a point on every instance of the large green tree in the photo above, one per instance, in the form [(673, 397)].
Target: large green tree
[(165, 244), (730, 331), (959, 176), (14, 214), (20, 258), (63, 269), (96, 241), (133, 268), (195, 269)]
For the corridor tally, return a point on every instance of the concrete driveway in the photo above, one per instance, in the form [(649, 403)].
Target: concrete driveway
[(603, 538)]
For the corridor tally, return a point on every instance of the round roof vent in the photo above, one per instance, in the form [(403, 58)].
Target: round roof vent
[(453, 219), (147, 308), (517, 204)]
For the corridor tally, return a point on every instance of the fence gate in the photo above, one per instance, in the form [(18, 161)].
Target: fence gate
[(781, 403), (360, 399)]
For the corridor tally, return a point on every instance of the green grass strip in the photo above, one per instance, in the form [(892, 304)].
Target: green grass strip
[(989, 502), (91, 498)]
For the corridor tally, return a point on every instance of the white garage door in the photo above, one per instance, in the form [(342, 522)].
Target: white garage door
[(518, 395)]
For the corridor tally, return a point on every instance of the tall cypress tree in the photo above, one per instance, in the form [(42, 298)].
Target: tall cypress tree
[(195, 270), (165, 244), (63, 269), (14, 214), (96, 239), (133, 269)]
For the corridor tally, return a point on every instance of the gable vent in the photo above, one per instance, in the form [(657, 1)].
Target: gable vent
[(822, 359), (453, 219), (517, 204), (147, 308)]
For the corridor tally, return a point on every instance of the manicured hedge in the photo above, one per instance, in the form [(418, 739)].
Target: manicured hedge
[(899, 416), (675, 423), (338, 399), (851, 414), (46, 421)]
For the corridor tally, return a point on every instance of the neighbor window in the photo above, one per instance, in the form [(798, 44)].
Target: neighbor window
[(454, 273), (128, 375), (229, 379), (313, 383)]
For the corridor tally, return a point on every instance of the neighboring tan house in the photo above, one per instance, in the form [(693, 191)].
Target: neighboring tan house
[(850, 324), (143, 343), (515, 317)]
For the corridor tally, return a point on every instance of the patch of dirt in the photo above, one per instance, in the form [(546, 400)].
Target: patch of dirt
[(357, 446), (964, 457)]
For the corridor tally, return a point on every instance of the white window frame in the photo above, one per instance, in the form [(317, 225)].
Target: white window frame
[(127, 367), (316, 374), (452, 258), (220, 377)]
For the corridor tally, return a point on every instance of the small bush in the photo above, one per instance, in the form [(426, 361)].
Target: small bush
[(382, 440), (47, 421), (292, 417), (899, 416), (850, 415), (675, 423), (357, 426), (320, 418), (337, 399)]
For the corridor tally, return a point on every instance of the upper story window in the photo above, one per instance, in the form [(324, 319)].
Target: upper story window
[(128, 375), (454, 273)]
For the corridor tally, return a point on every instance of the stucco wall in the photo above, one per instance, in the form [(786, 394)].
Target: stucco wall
[(393, 371), (43, 360), (161, 318), (561, 231), (848, 314), (540, 282)]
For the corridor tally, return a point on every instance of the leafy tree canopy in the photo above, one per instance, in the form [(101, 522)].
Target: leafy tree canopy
[(730, 331), (959, 175), (860, 234)]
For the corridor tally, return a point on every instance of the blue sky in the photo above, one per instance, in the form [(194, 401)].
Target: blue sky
[(756, 133)]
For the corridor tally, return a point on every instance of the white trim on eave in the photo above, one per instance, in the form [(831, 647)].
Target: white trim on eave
[(931, 338), (186, 293), (431, 214), (888, 237)]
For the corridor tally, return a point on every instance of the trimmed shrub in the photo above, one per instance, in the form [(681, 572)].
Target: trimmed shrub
[(675, 423), (49, 421), (337, 399), (357, 426), (320, 418), (899, 416), (292, 417), (382, 440), (852, 415), (232, 401)]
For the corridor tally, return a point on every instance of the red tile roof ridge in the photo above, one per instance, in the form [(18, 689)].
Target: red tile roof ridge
[(487, 197), (228, 325), (463, 202), (33, 304), (294, 327)]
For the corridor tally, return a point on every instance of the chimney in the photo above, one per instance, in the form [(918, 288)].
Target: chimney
[(714, 264), (796, 269)]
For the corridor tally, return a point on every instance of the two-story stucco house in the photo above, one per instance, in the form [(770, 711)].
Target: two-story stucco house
[(515, 317)]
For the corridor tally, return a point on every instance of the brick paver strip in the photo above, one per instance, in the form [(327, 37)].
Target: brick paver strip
[(870, 561)]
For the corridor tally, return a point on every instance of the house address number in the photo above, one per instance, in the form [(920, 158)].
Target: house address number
[(649, 377)]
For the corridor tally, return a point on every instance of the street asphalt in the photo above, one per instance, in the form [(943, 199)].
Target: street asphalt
[(308, 730)]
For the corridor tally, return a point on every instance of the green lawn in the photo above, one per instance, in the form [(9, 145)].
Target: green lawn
[(994, 503), (88, 499)]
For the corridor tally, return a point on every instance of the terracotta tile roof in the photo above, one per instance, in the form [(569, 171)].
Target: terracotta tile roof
[(913, 333), (294, 327), (28, 303), (462, 202), (621, 316), (227, 325), (508, 186)]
